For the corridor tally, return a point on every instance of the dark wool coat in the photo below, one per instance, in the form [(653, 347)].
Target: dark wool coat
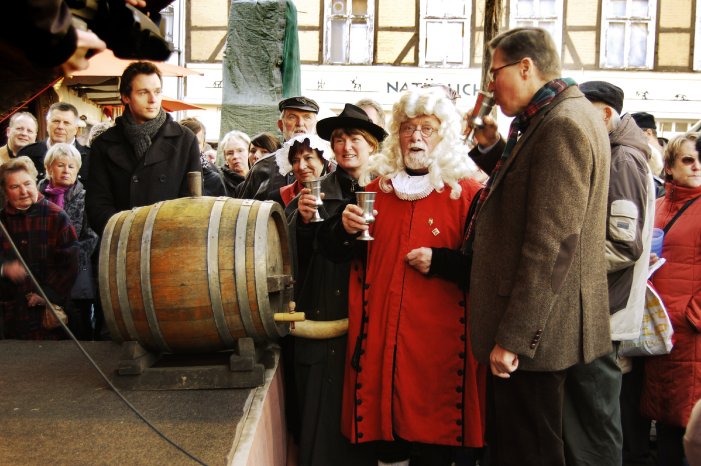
[(538, 282), (118, 180), (673, 382), (321, 290), (47, 242), (74, 206)]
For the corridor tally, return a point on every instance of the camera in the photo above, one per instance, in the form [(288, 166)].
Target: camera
[(127, 31)]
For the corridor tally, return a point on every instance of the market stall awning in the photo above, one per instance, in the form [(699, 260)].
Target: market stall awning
[(106, 64), (174, 105)]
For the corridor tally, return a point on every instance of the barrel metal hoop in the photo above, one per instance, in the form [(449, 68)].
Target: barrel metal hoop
[(146, 291), (104, 278), (261, 261), (213, 272), (240, 271), (121, 270)]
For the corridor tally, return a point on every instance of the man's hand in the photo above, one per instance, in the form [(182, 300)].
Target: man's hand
[(86, 41), (306, 205), (503, 362), (485, 136), (420, 259), (14, 271), (353, 220)]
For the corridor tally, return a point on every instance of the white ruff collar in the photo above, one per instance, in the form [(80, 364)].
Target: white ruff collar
[(411, 188)]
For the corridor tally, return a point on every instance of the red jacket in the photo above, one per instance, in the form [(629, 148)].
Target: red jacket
[(673, 382), (417, 377)]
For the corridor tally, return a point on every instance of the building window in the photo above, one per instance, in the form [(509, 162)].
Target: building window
[(444, 33), (349, 31), (628, 36), (546, 14)]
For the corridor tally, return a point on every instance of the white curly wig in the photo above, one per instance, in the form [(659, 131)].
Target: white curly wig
[(450, 161)]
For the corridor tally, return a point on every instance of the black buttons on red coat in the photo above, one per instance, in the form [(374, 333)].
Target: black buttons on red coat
[(359, 418), (360, 435), (358, 402), (461, 355), (461, 303), (462, 320), (462, 337), (458, 439), (367, 286), (461, 372), (458, 405), (458, 389), (458, 422), (358, 386)]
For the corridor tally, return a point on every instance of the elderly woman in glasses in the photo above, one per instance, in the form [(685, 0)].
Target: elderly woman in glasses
[(62, 187), (46, 240), (673, 381)]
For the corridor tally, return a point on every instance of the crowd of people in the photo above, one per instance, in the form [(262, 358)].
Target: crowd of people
[(485, 315)]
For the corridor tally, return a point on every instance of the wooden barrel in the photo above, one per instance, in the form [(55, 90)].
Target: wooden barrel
[(195, 274)]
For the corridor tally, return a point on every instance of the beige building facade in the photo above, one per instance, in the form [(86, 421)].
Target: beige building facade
[(353, 49)]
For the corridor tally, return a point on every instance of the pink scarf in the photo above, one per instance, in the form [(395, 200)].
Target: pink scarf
[(55, 193)]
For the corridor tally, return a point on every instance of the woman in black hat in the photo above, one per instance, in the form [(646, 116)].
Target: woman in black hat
[(322, 290)]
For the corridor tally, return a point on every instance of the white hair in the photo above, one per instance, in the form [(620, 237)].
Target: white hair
[(62, 150), (449, 161)]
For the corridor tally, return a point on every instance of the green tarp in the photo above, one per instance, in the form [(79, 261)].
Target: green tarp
[(261, 64)]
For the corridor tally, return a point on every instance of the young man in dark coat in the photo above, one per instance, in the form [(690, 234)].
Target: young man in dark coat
[(145, 157)]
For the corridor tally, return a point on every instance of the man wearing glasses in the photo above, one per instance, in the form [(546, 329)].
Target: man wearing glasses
[(538, 290)]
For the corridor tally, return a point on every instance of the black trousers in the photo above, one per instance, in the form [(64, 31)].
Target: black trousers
[(524, 419)]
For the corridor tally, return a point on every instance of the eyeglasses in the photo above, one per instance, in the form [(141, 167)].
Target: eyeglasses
[(689, 160), (493, 71), (409, 130)]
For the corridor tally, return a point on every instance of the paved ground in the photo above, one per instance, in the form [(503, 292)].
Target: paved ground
[(55, 409)]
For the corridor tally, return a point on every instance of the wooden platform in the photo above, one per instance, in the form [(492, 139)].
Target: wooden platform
[(56, 409)]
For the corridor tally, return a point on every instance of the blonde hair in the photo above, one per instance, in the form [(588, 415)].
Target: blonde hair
[(18, 164), (671, 152), (61, 150), (449, 160)]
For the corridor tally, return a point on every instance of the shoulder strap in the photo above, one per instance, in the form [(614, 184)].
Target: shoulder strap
[(679, 213)]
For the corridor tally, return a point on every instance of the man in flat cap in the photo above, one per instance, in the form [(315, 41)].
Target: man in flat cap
[(647, 123), (297, 116), (592, 390)]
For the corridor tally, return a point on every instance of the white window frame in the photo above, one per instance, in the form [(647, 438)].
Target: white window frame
[(697, 38), (467, 32), (536, 18), (333, 11), (651, 21)]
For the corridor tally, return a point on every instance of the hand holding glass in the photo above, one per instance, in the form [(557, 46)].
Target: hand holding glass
[(315, 187), (366, 201)]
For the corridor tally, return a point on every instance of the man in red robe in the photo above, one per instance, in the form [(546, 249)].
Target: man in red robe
[(411, 382)]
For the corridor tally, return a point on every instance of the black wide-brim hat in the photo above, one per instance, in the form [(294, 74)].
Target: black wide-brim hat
[(351, 117)]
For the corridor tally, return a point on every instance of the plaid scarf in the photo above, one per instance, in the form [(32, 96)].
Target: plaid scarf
[(519, 125)]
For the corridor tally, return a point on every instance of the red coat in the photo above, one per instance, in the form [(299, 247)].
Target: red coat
[(673, 382), (417, 376)]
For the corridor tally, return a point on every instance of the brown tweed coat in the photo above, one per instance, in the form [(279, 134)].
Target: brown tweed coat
[(538, 283)]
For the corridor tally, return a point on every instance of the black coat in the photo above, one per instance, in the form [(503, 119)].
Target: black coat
[(263, 180), (118, 180), (321, 289), (37, 152)]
